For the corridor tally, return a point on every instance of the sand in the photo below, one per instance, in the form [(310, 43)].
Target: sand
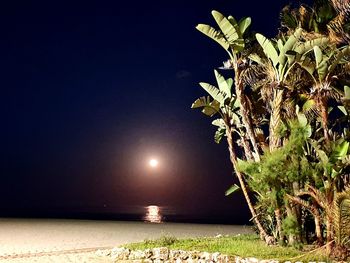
[(44, 240)]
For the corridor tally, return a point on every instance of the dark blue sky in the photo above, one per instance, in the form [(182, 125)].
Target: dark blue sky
[(91, 89)]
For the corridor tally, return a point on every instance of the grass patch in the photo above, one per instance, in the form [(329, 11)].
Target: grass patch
[(240, 245)]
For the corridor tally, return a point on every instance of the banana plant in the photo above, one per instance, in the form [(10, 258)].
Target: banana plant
[(322, 66), (224, 103), (280, 55), (230, 36)]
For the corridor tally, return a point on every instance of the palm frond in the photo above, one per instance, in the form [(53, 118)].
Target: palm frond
[(341, 217)]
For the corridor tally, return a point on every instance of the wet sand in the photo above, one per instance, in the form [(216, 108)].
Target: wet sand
[(51, 240)]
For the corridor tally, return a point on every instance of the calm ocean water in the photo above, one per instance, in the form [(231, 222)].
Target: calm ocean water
[(150, 213)]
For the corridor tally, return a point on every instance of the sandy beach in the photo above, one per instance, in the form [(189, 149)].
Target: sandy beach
[(51, 240)]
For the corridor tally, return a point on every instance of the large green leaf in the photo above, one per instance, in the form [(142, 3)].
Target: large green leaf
[(219, 134), (229, 82), (347, 92), (224, 85), (214, 92), (320, 153), (233, 22), (292, 40), (292, 56), (268, 48), (201, 102), (213, 34), (290, 43), (309, 45), (318, 55), (218, 122), (232, 189), (340, 151), (256, 58), (210, 108), (304, 61), (302, 119), (281, 57), (321, 63), (231, 33), (243, 24), (343, 110)]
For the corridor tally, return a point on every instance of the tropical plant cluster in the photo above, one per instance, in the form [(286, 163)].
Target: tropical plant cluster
[(283, 106)]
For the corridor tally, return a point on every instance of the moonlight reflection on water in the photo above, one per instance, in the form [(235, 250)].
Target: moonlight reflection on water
[(153, 214)]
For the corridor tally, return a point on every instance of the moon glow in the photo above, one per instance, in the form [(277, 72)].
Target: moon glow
[(153, 163)]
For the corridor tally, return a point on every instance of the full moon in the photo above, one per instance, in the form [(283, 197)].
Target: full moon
[(153, 163)]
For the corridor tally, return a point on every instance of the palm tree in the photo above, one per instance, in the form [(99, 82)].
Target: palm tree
[(324, 72), (275, 81), (226, 104), (341, 219), (231, 38), (279, 64)]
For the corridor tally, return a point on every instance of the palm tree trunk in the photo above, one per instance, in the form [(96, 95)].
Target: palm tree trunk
[(247, 150), (329, 234), (297, 208), (275, 119), (318, 230), (278, 217), (246, 120), (314, 211), (290, 213), (263, 235), (324, 117)]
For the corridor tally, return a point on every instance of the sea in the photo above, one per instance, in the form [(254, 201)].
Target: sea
[(151, 213)]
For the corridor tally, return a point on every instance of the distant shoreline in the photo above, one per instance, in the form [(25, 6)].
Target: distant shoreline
[(134, 217)]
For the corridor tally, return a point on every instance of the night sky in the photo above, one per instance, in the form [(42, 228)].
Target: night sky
[(90, 90)]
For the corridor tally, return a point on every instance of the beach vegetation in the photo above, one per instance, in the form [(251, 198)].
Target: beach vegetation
[(247, 245), (283, 105)]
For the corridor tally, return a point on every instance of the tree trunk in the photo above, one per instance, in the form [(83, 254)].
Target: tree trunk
[(246, 120), (247, 151), (324, 118), (296, 209), (263, 235), (290, 213), (246, 146), (275, 119), (314, 211), (278, 217), (318, 230), (329, 234)]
